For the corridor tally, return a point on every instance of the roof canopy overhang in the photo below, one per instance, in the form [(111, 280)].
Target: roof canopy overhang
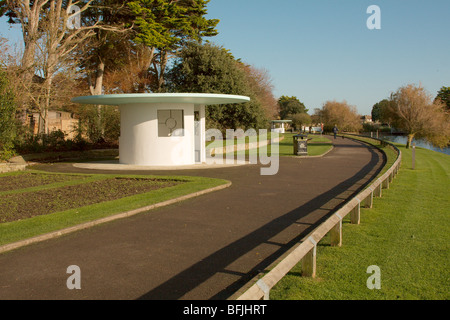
[(155, 98)]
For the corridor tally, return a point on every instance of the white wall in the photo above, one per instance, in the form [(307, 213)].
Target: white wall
[(139, 143)]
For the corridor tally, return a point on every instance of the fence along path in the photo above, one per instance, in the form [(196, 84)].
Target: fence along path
[(306, 250)]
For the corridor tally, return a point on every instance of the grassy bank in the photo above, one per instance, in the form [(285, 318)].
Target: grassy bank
[(317, 145), (406, 234), (60, 188)]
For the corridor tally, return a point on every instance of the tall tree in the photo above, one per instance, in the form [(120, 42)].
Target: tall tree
[(212, 69), (413, 110), (28, 15), (107, 51), (57, 41), (109, 46), (166, 25), (444, 96), (260, 83), (48, 40), (342, 114), (7, 117), (301, 119), (290, 106), (378, 110)]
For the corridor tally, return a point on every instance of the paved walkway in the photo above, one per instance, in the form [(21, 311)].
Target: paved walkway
[(203, 248)]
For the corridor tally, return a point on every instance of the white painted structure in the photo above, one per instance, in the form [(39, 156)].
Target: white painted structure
[(162, 129), (279, 125)]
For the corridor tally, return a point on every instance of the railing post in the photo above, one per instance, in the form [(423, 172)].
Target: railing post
[(336, 233), (368, 202), (264, 288), (355, 214), (309, 261), (386, 183), (378, 189)]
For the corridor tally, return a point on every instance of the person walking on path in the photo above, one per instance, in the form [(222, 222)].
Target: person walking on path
[(335, 131)]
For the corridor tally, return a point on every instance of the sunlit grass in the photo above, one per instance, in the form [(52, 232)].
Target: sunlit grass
[(26, 228), (406, 234)]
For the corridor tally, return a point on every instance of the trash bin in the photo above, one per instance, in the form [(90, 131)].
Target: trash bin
[(301, 144)]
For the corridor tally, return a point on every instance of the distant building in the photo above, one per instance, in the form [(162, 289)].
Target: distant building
[(366, 119), (57, 120)]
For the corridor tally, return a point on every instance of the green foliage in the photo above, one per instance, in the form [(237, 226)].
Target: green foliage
[(7, 118), (379, 110), (165, 27), (444, 96), (300, 119), (166, 24), (290, 106), (211, 69), (99, 124)]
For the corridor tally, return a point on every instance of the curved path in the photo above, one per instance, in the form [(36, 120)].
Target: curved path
[(203, 248)]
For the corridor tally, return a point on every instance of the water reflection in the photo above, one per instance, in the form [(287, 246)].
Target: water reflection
[(418, 142)]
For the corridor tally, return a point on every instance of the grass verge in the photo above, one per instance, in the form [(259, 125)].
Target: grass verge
[(38, 225), (317, 145), (406, 234)]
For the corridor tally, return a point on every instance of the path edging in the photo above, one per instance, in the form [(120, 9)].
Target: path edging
[(86, 225)]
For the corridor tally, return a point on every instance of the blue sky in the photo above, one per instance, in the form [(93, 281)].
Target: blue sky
[(320, 50)]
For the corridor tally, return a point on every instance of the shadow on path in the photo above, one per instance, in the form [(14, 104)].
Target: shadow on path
[(216, 263)]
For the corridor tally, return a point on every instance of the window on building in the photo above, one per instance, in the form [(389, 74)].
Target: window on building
[(170, 123)]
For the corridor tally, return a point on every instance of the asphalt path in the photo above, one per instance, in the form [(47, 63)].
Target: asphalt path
[(203, 248)]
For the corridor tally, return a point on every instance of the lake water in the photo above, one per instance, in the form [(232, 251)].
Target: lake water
[(418, 142)]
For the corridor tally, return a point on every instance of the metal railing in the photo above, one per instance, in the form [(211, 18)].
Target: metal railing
[(306, 251)]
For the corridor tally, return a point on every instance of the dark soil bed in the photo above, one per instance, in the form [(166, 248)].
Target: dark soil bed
[(27, 180), (25, 205)]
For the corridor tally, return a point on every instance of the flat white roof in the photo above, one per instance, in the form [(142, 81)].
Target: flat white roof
[(148, 98)]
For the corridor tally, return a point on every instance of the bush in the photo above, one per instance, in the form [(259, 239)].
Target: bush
[(7, 118)]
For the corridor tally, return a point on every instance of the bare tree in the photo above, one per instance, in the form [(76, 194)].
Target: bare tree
[(28, 14), (412, 110), (47, 41), (49, 38), (58, 40), (260, 83), (342, 114)]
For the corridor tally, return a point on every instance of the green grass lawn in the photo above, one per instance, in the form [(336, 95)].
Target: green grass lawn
[(406, 234), (317, 145), (25, 228)]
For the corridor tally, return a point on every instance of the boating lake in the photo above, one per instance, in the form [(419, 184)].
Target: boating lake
[(418, 142)]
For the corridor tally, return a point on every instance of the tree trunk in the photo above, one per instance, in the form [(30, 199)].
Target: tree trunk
[(409, 142), (27, 63), (163, 63), (96, 90), (145, 66)]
